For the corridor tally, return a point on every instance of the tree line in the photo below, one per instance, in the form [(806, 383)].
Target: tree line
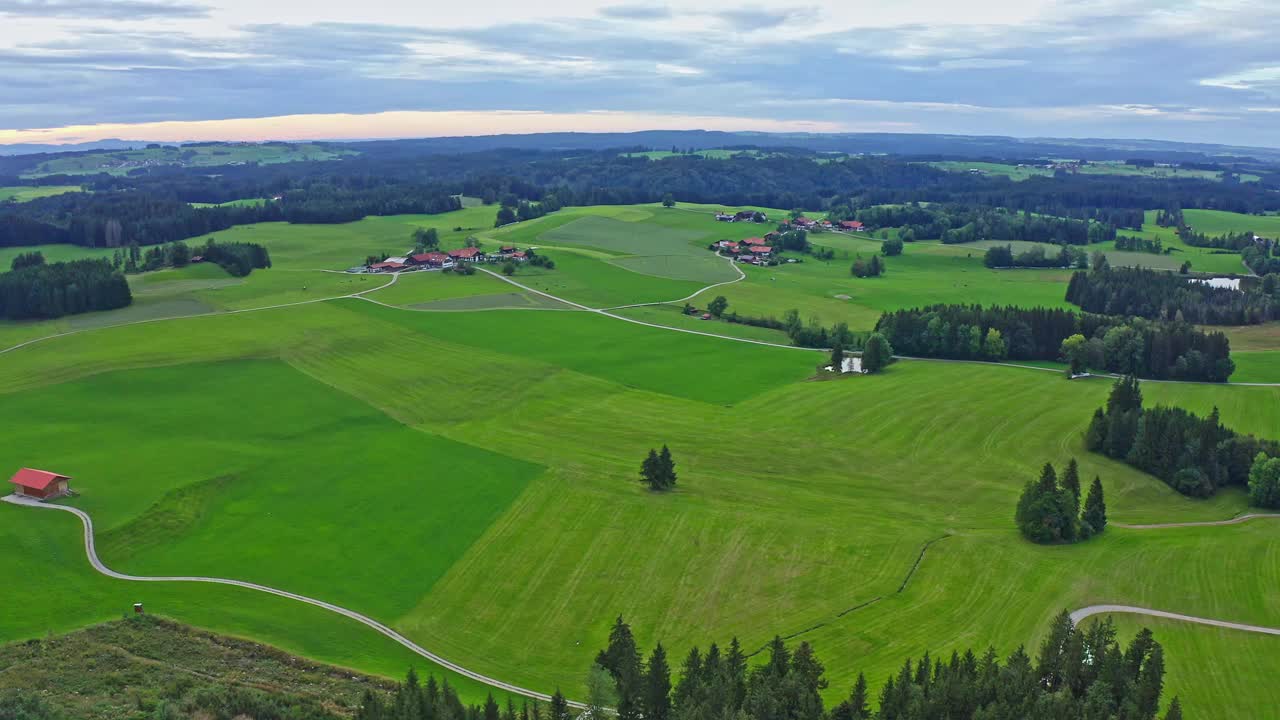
[(43, 291), (1002, 256), (1078, 673), (955, 223), (1049, 510), (1161, 350), (1131, 243), (1195, 456), (1163, 295)]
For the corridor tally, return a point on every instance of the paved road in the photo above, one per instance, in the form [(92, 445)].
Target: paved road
[(1092, 610), (97, 564), (1206, 523)]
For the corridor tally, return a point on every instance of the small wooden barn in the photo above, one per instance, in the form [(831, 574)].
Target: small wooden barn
[(40, 484)]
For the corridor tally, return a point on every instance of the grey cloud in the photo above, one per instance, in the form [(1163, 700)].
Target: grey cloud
[(100, 9), (761, 19)]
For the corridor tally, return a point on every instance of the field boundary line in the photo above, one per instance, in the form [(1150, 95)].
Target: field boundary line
[(1090, 611), (92, 553), (1201, 523), (741, 276), (33, 341)]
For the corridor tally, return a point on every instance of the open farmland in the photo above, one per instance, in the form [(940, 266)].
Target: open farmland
[(469, 478)]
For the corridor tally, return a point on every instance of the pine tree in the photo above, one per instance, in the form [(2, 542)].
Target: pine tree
[(622, 659), (667, 469), (657, 691), (1175, 710), (837, 357), (559, 707), (1151, 683), (858, 709), (1048, 479), (1095, 508), (491, 711), (1071, 483), (651, 470), (1095, 438)]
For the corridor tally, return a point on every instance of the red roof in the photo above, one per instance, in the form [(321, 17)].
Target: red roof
[(761, 249), (754, 241), (430, 257), (854, 224), (36, 479), (468, 252), (518, 254)]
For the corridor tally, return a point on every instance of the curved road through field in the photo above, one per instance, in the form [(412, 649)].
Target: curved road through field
[(97, 564), (1092, 610)]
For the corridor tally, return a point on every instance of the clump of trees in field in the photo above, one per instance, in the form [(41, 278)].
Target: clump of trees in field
[(1002, 256), (867, 268), (514, 209), (45, 291), (1049, 509), (891, 246), (658, 470), (1130, 243), (1166, 296), (1162, 350), (27, 259), (1193, 455), (1077, 673)]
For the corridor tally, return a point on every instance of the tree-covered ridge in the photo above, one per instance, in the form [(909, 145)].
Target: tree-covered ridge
[(1195, 456), (44, 291), (1172, 350), (1162, 295)]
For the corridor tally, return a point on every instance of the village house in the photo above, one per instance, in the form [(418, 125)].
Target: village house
[(852, 226), (755, 241), (803, 222), (467, 254), (387, 266), (40, 484), (761, 250)]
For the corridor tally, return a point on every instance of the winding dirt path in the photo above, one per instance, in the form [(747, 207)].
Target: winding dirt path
[(1203, 523), (1092, 610), (365, 620)]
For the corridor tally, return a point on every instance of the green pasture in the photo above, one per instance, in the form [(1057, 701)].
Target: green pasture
[(1220, 222), (23, 193)]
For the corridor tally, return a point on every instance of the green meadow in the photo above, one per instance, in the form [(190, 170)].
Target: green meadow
[(1024, 172), (468, 473), (23, 193)]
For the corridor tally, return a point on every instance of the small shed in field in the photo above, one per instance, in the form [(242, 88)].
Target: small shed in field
[(40, 484)]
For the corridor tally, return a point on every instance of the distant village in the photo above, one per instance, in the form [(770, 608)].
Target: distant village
[(761, 250)]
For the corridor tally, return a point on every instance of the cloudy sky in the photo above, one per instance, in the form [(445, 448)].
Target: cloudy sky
[(1198, 70)]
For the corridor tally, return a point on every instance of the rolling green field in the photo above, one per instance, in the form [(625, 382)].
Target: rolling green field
[(119, 162), (470, 478), (23, 193)]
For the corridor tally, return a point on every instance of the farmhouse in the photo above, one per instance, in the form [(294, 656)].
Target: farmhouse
[(761, 250), (853, 225), (387, 266), (432, 259), (467, 254), (40, 484), (754, 241)]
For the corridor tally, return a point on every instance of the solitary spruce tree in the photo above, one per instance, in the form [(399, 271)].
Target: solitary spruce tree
[(837, 357), (1095, 507), (657, 692), (667, 467), (651, 470)]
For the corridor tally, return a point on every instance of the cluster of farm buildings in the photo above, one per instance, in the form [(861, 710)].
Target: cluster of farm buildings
[(801, 223), (437, 260), (761, 250)]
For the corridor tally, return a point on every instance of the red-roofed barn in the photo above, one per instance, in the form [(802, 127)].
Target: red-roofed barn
[(39, 484)]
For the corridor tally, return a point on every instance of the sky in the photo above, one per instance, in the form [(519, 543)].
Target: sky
[(173, 70)]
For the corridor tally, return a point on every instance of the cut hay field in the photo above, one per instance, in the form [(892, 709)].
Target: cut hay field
[(470, 478)]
